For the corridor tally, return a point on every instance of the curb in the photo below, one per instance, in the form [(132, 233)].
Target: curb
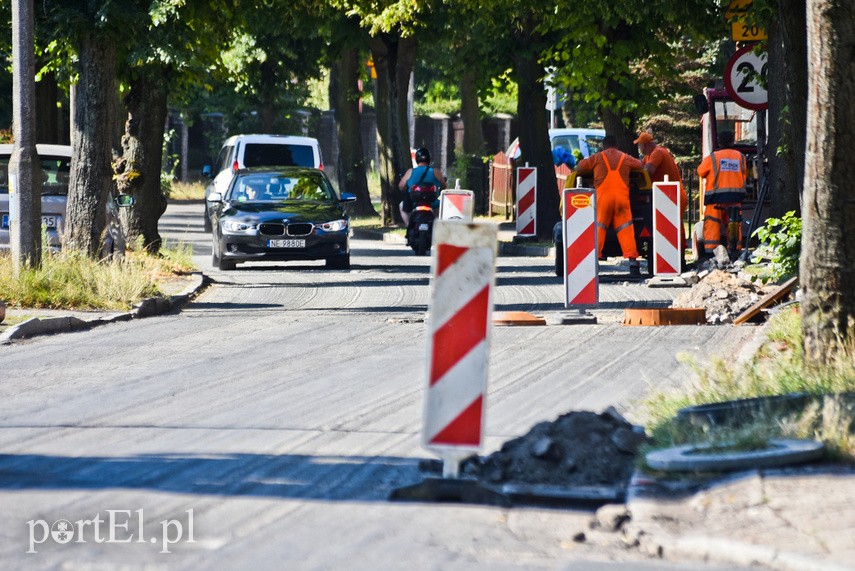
[(146, 308), (642, 528)]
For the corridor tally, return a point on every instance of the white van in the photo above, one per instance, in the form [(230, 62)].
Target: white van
[(586, 141), (248, 151)]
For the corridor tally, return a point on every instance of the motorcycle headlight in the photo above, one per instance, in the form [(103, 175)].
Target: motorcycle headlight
[(334, 226), (236, 226)]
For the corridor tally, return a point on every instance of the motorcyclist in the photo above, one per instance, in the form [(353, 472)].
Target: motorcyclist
[(422, 173)]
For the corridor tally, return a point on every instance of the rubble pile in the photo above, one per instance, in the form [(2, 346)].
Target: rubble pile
[(724, 294), (579, 448)]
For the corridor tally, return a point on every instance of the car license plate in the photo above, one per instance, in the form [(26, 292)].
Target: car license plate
[(48, 221), (286, 243)]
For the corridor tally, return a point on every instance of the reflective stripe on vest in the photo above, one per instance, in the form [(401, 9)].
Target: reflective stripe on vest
[(733, 174)]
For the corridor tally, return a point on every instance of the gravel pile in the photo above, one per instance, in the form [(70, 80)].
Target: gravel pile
[(577, 449), (724, 295)]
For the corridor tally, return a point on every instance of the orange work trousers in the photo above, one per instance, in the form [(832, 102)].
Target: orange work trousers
[(716, 220), (613, 210)]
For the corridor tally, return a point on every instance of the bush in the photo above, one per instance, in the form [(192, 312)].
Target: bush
[(783, 236)]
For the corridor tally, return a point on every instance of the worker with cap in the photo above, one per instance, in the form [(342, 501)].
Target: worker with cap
[(611, 169), (724, 171), (659, 163)]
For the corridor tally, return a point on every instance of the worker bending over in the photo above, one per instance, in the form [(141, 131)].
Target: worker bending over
[(724, 171), (659, 163), (611, 180)]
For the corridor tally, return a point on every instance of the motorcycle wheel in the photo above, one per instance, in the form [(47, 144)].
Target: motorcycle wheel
[(423, 243)]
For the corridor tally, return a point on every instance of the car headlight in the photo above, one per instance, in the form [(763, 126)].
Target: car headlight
[(236, 226), (334, 226)]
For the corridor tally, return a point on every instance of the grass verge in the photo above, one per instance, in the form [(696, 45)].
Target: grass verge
[(778, 368), (184, 191), (70, 280)]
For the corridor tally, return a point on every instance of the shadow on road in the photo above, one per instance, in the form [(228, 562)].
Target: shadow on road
[(344, 478)]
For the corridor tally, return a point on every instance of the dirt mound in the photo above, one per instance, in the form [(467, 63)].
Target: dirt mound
[(577, 449), (723, 294)]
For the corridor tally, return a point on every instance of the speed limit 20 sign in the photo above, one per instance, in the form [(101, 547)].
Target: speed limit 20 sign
[(742, 78)]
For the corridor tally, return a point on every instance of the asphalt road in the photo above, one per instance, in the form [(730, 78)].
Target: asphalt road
[(282, 406)]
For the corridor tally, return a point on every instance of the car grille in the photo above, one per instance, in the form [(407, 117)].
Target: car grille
[(271, 229), (299, 229)]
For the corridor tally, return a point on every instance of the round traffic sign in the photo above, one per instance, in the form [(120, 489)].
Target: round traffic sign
[(742, 78)]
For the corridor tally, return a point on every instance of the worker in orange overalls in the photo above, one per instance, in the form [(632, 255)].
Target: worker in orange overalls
[(659, 163), (611, 180), (724, 171)]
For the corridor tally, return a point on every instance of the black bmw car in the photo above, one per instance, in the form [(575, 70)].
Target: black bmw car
[(289, 213)]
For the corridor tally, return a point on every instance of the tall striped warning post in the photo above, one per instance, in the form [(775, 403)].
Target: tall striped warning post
[(526, 201), (579, 229), (460, 313), (667, 254), (456, 204)]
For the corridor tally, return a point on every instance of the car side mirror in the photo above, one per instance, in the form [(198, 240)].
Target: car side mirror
[(207, 172), (347, 197), (701, 104), (125, 200), (215, 197)]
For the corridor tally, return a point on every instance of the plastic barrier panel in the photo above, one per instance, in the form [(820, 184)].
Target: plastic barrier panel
[(666, 228), (581, 282), (526, 201), (459, 322), (456, 205)]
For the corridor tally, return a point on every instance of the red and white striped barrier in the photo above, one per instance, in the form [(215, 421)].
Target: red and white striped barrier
[(581, 281), (526, 201), (460, 315), (456, 204), (666, 227)]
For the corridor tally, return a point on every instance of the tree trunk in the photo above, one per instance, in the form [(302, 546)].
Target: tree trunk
[(783, 178), (827, 272), (793, 28), (391, 102), (614, 124), (138, 170), (470, 112), (47, 113), (351, 160), (267, 113), (91, 157), (534, 138)]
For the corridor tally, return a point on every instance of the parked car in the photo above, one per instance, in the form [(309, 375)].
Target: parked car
[(251, 151), (290, 213), (55, 161), (578, 141)]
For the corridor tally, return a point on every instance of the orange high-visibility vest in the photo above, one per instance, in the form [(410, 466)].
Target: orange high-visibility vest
[(724, 171)]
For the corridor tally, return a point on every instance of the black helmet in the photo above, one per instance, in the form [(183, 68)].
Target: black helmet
[(422, 155)]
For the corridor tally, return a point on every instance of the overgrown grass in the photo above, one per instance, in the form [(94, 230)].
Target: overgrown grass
[(70, 280), (777, 368), (187, 191)]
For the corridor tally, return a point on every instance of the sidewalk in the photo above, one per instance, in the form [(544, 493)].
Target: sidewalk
[(795, 519)]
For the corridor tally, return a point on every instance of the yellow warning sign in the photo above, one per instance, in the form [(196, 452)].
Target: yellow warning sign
[(580, 201)]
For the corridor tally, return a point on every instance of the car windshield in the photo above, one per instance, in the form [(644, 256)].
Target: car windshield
[(55, 174), (278, 155), (278, 187)]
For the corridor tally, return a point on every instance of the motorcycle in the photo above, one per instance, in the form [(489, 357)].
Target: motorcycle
[(420, 228)]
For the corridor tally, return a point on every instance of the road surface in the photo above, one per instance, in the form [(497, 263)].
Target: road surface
[(280, 408)]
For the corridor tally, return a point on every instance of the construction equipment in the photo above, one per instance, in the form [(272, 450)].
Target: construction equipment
[(720, 112)]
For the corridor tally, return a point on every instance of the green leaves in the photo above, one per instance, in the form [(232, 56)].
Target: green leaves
[(783, 236)]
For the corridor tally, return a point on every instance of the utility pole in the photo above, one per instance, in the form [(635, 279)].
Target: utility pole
[(25, 187)]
